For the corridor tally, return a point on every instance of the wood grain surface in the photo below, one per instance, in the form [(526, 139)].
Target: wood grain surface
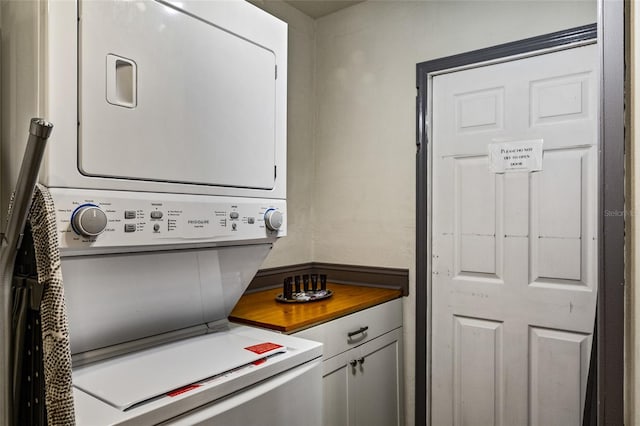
[(262, 310)]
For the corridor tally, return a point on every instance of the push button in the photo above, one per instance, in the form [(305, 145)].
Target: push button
[(156, 215), (129, 214), (129, 227)]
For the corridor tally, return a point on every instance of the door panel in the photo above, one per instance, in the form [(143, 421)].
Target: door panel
[(560, 197), (560, 99), (478, 250), (475, 227), (480, 110), (153, 76), (477, 366), (557, 361), (514, 253)]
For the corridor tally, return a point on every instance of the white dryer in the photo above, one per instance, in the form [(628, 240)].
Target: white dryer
[(167, 167), (185, 97)]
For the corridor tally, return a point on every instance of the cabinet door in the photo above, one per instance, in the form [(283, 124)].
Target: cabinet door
[(337, 383), (377, 397)]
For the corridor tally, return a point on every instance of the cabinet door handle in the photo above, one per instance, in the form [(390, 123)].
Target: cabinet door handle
[(361, 360), (361, 330), (353, 362)]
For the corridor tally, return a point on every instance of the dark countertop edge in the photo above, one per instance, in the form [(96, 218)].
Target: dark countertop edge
[(366, 276)]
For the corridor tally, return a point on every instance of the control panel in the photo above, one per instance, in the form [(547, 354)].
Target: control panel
[(112, 219)]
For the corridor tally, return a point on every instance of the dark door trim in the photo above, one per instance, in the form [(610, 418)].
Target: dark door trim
[(610, 312)]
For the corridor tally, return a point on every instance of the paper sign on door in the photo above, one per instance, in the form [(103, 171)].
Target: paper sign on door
[(515, 156)]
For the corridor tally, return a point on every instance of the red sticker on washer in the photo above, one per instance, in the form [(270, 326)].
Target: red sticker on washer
[(263, 347), (182, 390)]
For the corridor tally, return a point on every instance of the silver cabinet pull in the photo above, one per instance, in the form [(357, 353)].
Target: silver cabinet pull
[(361, 330), (353, 362), (361, 360)]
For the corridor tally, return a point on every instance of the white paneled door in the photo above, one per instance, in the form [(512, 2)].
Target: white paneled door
[(514, 244)]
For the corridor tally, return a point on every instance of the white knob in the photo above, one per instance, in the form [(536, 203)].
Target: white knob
[(273, 219), (89, 220)]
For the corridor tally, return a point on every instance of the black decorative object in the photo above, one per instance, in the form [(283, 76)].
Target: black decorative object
[(309, 294)]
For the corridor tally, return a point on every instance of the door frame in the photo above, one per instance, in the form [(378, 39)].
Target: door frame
[(606, 376)]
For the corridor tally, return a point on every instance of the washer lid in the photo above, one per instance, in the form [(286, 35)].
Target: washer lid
[(137, 377)]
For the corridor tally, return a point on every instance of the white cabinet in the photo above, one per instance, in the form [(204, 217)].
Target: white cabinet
[(362, 372)]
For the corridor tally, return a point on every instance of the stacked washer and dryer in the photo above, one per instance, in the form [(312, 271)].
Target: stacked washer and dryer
[(167, 167)]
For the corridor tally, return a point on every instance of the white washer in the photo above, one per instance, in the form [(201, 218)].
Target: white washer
[(167, 166), (148, 313), (209, 379)]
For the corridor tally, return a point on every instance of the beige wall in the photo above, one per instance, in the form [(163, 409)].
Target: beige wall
[(297, 246), (357, 185)]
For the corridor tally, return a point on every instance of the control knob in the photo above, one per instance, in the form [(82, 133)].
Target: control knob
[(89, 220), (273, 219)]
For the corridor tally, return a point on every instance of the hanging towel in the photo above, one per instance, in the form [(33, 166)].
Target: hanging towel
[(56, 349)]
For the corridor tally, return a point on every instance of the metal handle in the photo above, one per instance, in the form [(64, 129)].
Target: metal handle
[(39, 132), (361, 330), (361, 360), (353, 362)]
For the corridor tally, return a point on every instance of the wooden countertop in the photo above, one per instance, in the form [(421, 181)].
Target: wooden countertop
[(262, 310)]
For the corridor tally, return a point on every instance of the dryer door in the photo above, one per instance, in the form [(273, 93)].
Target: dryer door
[(168, 96)]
